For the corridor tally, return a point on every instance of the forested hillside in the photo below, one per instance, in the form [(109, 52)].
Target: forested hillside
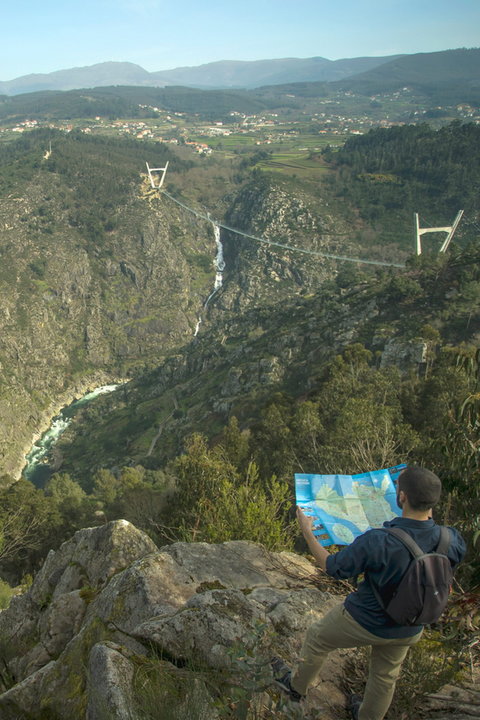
[(126, 102), (445, 77), (343, 381), (85, 212), (390, 174)]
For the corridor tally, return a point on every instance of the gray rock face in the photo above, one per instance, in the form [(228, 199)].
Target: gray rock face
[(108, 602), (110, 673), (403, 355), (207, 627), (274, 214)]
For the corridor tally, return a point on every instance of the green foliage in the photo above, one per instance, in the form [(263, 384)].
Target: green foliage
[(72, 504), (235, 443), (367, 428), (61, 487), (249, 675), (243, 690), (429, 665), (105, 486), (199, 473), (79, 160), (88, 593), (353, 423), (272, 438), (214, 502), (162, 692), (453, 444), (38, 268), (430, 172), (28, 525), (6, 593), (249, 509)]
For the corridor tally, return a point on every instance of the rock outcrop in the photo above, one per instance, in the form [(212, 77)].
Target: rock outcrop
[(114, 628), (109, 602)]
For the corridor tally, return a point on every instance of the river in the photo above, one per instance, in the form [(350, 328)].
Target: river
[(36, 469)]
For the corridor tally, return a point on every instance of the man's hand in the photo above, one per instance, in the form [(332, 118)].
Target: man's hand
[(305, 522), (306, 526)]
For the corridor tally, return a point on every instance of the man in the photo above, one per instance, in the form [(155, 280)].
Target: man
[(360, 620)]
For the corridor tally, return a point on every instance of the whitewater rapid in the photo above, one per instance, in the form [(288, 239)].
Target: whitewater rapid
[(40, 449)]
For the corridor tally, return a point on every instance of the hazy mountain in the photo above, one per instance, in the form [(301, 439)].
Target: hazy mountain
[(426, 72), (221, 74), (108, 73), (448, 71), (231, 73)]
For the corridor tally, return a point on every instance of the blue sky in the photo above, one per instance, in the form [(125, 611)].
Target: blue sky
[(48, 35)]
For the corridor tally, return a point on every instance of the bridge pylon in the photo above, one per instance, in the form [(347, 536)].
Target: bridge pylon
[(450, 230), (156, 170)]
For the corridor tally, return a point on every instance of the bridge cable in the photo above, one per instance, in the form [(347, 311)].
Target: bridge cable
[(278, 244)]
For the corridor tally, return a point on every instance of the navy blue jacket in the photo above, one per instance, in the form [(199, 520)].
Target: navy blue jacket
[(386, 559)]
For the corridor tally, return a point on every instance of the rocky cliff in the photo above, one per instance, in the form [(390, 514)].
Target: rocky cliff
[(108, 604), (259, 274), (114, 627), (95, 279), (236, 364)]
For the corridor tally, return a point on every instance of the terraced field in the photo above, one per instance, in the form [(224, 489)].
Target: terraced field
[(294, 163)]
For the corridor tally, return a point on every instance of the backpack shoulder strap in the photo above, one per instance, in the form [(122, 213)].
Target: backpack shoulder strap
[(407, 540), (444, 542), (411, 546)]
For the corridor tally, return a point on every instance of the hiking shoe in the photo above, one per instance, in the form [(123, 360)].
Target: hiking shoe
[(282, 676), (354, 702)]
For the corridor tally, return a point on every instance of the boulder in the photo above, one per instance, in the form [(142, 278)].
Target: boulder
[(207, 628), (108, 602), (38, 625)]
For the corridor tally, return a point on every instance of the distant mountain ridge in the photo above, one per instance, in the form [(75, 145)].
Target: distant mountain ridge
[(221, 74), (448, 77), (421, 71)]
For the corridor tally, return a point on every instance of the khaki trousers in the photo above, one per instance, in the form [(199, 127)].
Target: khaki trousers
[(337, 629)]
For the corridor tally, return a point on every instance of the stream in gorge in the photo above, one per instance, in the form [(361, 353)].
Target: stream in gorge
[(37, 469)]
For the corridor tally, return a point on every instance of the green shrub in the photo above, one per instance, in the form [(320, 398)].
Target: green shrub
[(6, 593)]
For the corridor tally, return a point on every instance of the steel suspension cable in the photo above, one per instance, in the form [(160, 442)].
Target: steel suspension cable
[(305, 251)]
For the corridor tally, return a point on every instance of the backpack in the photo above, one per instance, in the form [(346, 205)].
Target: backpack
[(422, 593)]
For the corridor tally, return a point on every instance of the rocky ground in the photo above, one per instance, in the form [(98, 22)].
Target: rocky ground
[(111, 620)]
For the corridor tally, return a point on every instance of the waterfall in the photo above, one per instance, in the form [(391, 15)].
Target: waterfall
[(219, 264)]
